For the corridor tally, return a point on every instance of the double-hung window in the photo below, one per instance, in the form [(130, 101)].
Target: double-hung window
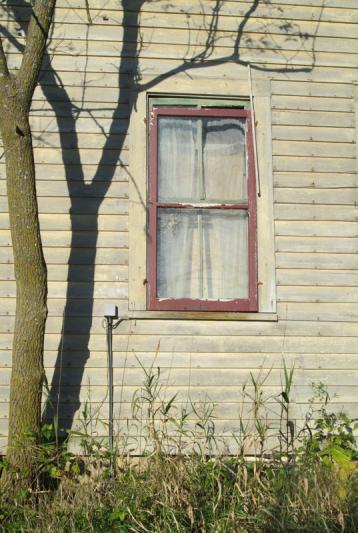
[(202, 210)]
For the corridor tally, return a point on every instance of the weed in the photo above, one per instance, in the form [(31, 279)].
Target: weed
[(294, 480)]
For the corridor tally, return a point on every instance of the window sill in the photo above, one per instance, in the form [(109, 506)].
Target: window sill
[(202, 315)]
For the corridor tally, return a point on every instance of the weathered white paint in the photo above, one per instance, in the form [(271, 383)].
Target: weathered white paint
[(306, 102)]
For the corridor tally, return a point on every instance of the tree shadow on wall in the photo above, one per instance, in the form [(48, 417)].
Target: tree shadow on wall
[(89, 185)]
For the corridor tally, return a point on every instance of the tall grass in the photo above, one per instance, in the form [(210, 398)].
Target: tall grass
[(279, 479)]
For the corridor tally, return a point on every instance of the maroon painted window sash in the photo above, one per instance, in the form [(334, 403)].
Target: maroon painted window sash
[(188, 215)]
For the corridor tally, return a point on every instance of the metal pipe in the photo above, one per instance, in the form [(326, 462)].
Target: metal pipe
[(111, 314), (257, 170), (109, 328)]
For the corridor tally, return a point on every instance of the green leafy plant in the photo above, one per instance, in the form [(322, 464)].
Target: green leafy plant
[(307, 481), (329, 436)]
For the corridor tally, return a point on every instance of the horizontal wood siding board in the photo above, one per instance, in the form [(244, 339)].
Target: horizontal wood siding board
[(346, 196), (208, 344), (167, 59), (313, 149), (305, 328), (74, 290), (315, 212), (86, 222), (313, 293), (313, 134), (81, 256), (194, 41), (341, 245), (225, 412), (207, 377), (313, 277), (314, 164), (310, 88), (140, 344), (316, 229), (110, 79), (345, 393), (312, 103), (51, 205), (315, 180), (335, 312), (60, 188), (317, 260)]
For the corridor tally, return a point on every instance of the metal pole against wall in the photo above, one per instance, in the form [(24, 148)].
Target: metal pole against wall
[(252, 105), (109, 327), (110, 314)]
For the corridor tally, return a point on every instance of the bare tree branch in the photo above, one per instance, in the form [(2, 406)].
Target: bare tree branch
[(39, 26), (4, 71), (12, 39), (88, 12)]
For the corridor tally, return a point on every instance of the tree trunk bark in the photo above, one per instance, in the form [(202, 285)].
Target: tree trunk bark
[(31, 281)]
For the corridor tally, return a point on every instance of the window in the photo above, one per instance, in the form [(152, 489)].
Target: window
[(202, 210)]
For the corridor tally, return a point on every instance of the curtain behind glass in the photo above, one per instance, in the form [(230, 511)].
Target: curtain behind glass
[(177, 159), (201, 159), (202, 253), (224, 159)]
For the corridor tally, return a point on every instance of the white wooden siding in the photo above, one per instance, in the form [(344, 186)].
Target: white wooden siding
[(309, 52)]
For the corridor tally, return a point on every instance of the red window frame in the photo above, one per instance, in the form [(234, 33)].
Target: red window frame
[(249, 304)]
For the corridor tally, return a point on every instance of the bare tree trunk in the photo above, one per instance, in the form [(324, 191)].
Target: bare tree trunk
[(30, 269), (31, 278)]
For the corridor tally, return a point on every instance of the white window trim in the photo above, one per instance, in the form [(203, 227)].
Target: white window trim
[(355, 99), (137, 277)]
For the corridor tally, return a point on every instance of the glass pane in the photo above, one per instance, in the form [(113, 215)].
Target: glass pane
[(177, 159), (202, 159), (202, 254), (224, 159)]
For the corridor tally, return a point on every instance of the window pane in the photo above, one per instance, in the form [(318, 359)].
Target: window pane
[(224, 159), (201, 159), (202, 254), (177, 159)]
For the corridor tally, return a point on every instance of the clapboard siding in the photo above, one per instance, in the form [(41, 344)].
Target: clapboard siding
[(113, 4), (229, 12), (217, 395), (60, 189), (315, 212), (80, 256), (154, 39), (62, 221), (309, 54), (168, 58), (316, 196), (319, 180), (186, 327), (317, 229), (313, 134)]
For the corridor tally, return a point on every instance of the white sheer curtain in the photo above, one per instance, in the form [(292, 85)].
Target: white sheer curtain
[(202, 253), (224, 159), (177, 159)]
